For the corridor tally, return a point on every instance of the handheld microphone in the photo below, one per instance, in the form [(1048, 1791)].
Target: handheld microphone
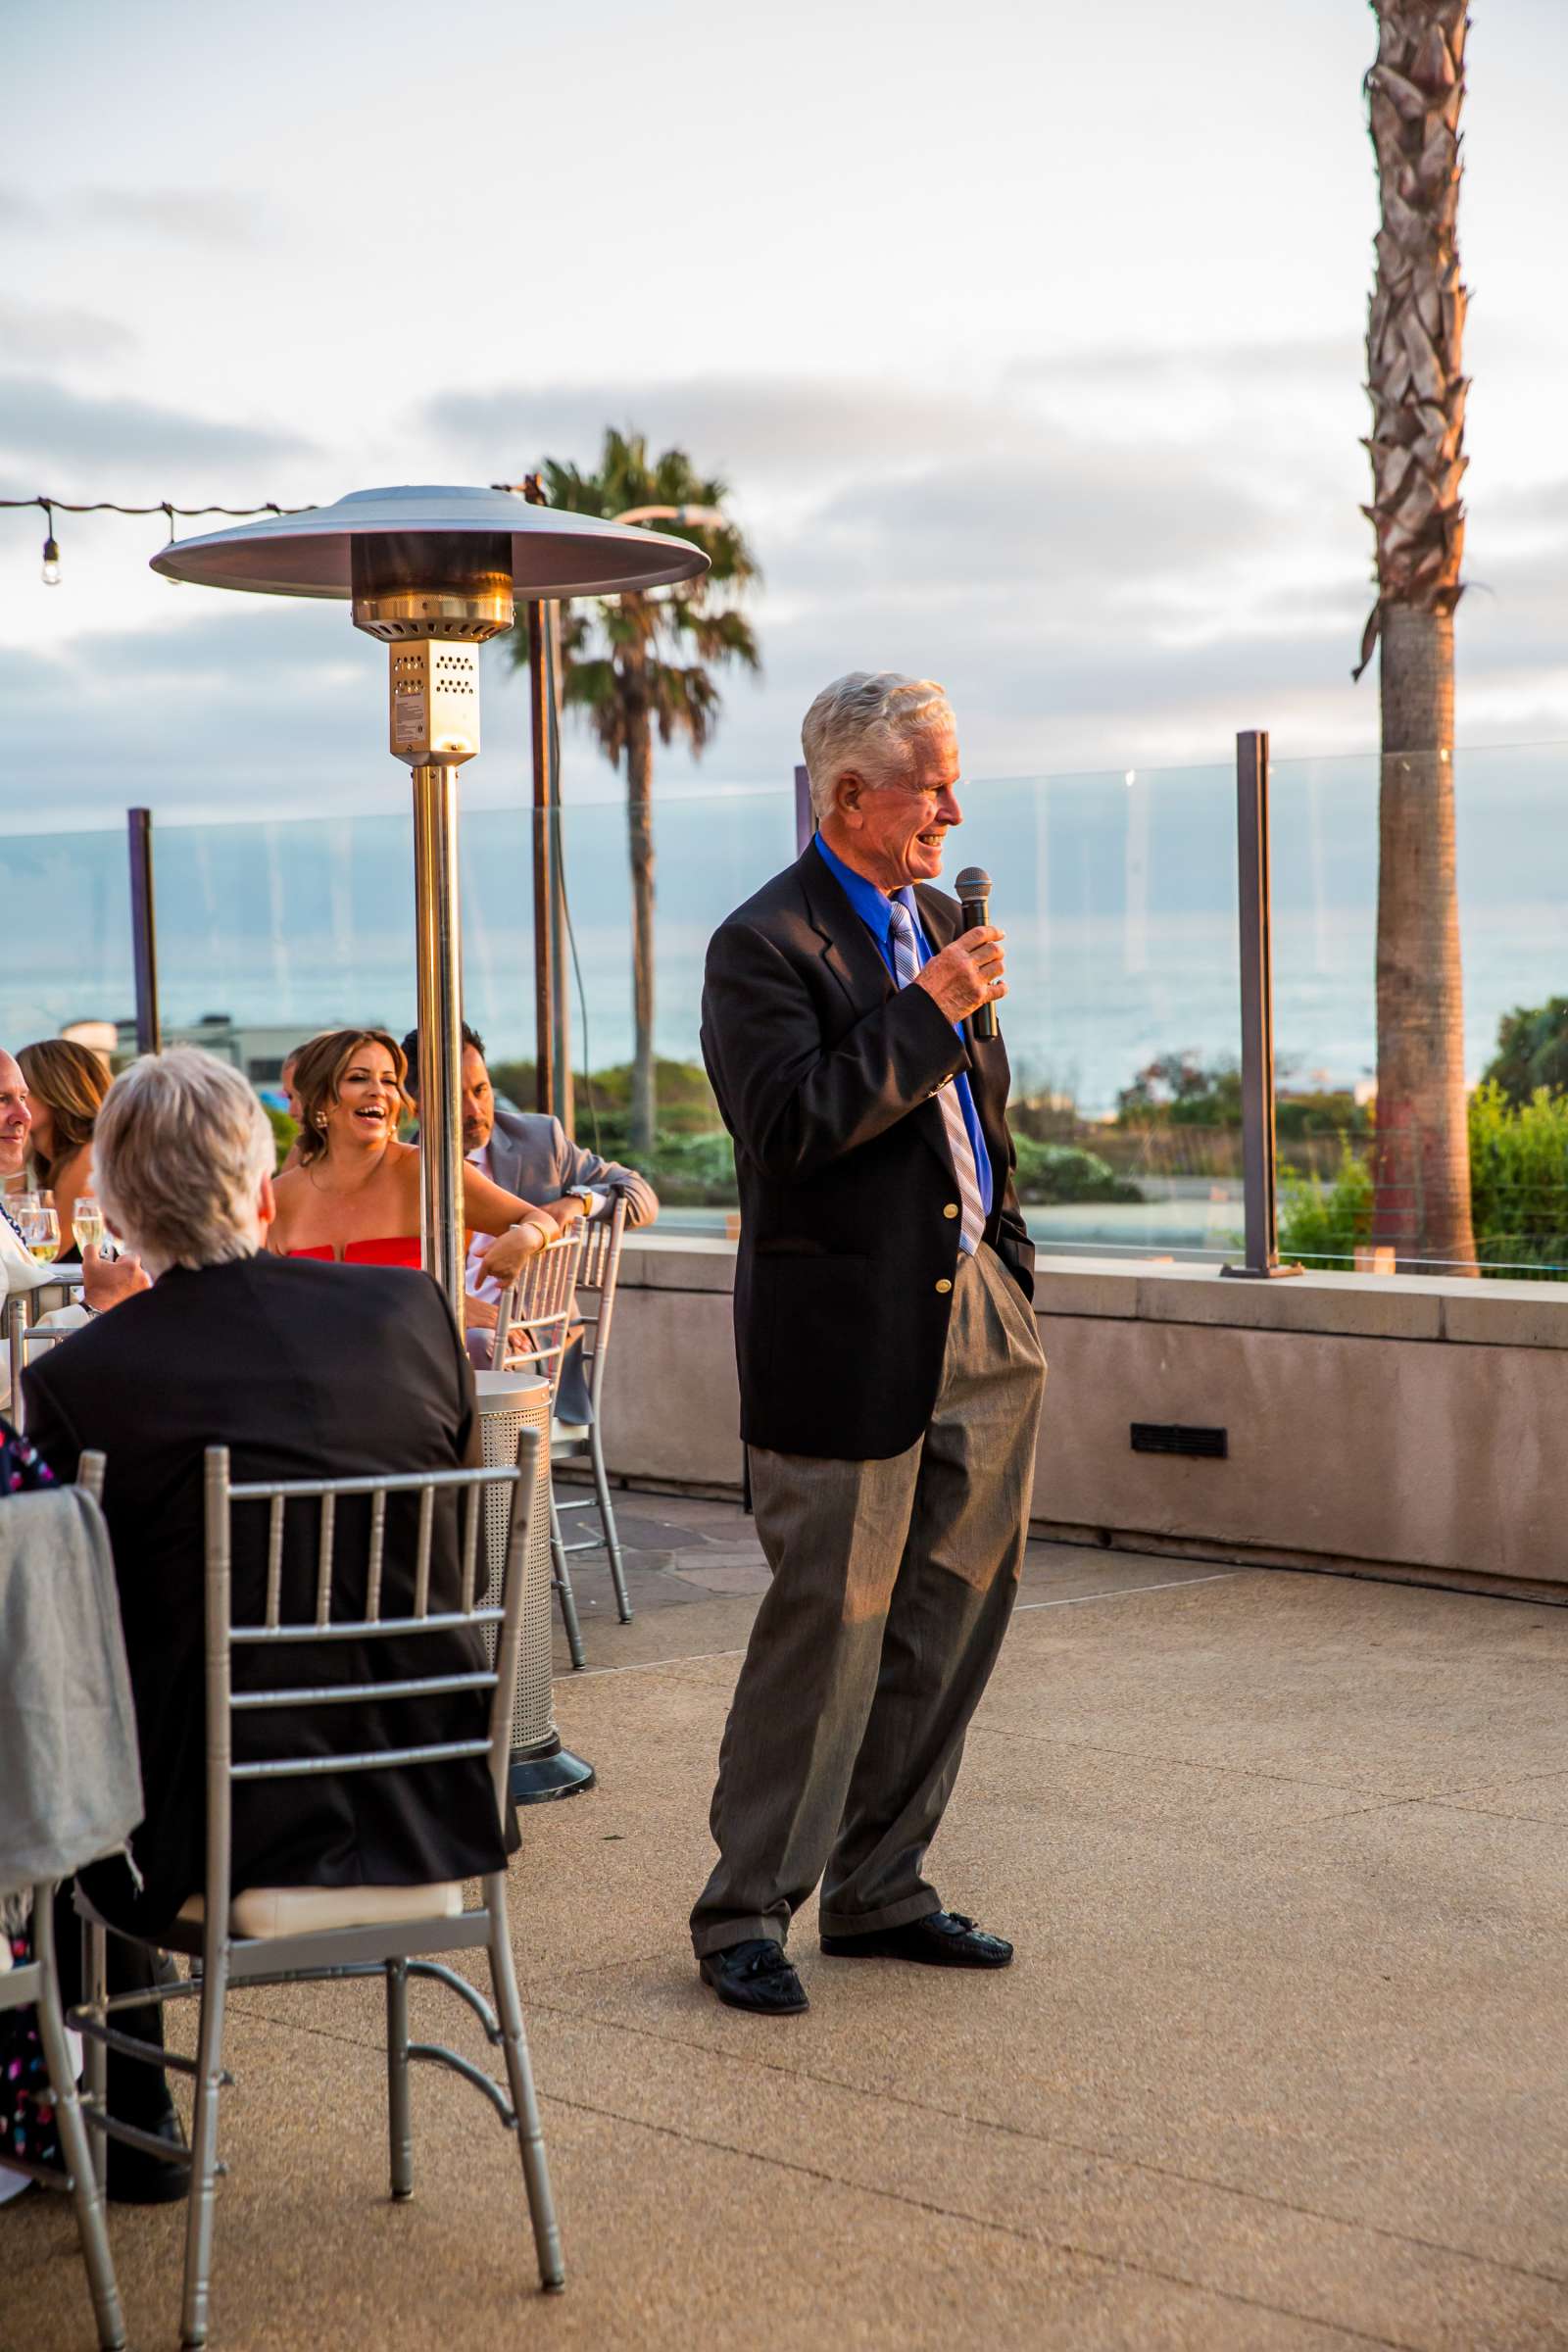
[(973, 887)]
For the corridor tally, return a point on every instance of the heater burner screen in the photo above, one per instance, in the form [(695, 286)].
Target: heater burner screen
[(435, 701)]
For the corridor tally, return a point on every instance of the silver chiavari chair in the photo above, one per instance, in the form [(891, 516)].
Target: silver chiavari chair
[(36, 1984), (25, 1342), (596, 1280), (292, 1935), (540, 1303)]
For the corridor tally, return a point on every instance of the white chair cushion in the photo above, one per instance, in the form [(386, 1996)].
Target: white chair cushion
[(312, 1910)]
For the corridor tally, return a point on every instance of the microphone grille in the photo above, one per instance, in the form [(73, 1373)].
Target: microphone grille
[(973, 883)]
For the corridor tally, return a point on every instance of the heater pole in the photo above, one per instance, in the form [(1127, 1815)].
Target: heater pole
[(544, 861), (437, 955)]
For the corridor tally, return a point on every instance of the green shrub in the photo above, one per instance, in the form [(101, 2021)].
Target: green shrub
[(1518, 1191), (284, 1130), (1057, 1172), (692, 1172), (1519, 1177), (1531, 1051), (1321, 1223), (1177, 1090)]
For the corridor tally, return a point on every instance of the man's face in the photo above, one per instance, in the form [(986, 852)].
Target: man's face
[(896, 832), (16, 1119), (479, 1103)]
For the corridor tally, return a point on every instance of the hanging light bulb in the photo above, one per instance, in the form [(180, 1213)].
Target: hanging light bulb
[(51, 552)]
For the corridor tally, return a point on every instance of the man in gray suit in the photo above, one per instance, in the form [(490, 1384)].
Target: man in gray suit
[(529, 1152)]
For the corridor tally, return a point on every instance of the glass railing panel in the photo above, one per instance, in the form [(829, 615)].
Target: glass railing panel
[(1358, 1193), (268, 932), (1118, 892), (66, 963)]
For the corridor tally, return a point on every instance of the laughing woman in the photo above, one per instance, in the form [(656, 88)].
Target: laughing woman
[(354, 1195)]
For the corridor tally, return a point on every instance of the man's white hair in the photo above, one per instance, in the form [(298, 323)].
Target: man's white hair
[(179, 1152), (866, 722)]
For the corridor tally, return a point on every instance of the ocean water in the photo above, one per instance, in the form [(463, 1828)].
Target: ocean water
[(1118, 892)]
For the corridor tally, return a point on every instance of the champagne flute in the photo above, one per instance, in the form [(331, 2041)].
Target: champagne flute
[(39, 1227), (87, 1224)]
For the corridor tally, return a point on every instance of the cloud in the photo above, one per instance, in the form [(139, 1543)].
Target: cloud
[(43, 422), (1066, 522), (747, 429), (35, 332), (222, 217), (1281, 360)]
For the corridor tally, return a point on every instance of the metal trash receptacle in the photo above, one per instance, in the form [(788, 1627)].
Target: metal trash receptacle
[(541, 1768)]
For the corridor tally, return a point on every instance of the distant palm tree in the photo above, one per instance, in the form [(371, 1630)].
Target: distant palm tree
[(1417, 387), (622, 667)]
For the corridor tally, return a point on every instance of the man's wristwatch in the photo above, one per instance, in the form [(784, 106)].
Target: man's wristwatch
[(583, 1193)]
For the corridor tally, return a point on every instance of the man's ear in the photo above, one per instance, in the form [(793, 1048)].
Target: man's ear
[(267, 1202), (847, 793)]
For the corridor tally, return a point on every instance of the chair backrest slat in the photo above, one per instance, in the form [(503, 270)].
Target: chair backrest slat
[(471, 1544), (327, 1695), (274, 1559), (323, 1560), (376, 1759), (360, 1629), (611, 1236), (421, 1566), (372, 1594)]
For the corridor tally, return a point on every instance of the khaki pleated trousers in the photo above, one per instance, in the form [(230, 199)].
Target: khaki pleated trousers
[(892, 1586)]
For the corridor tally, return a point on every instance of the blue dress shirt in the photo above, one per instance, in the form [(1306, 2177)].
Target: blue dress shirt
[(872, 905)]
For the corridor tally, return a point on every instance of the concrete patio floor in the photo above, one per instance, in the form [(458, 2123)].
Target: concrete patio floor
[(1283, 2061)]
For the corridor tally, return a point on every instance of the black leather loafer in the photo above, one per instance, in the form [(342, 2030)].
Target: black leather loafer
[(942, 1939), (137, 2179), (755, 1976)]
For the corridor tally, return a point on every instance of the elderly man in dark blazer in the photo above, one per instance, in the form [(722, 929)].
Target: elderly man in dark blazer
[(889, 1369)]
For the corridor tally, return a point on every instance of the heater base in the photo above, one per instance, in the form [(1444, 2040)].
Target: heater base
[(534, 1778)]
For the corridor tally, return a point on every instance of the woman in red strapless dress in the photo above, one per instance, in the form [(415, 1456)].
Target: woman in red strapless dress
[(354, 1195)]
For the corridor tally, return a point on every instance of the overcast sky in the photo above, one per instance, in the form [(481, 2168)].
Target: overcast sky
[(1027, 337)]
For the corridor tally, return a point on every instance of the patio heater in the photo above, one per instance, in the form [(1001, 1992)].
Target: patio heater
[(433, 572)]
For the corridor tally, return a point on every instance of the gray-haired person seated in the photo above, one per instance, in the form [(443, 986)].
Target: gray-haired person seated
[(303, 1370)]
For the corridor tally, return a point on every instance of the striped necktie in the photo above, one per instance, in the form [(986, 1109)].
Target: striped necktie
[(972, 1224)]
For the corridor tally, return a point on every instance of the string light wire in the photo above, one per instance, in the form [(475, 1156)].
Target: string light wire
[(50, 507)]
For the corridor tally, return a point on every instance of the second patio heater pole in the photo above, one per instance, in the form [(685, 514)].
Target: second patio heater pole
[(437, 955), (433, 602)]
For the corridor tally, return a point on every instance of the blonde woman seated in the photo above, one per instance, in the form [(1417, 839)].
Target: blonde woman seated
[(354, 1195)]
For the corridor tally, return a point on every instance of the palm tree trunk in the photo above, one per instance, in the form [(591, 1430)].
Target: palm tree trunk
[(640, 841), (1422, 1163), (1417, 386)]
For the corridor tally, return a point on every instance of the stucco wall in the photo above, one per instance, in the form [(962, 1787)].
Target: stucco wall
[(1420, 1425)]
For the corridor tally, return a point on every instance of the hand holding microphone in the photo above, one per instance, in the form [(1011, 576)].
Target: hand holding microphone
[(967, 977)]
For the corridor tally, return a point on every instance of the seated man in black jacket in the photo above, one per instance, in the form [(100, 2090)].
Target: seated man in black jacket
[(303, 1370)]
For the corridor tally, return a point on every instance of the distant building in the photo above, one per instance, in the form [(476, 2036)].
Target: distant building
[(259, 1053)]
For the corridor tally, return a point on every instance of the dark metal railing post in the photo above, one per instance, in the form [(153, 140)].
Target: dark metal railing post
[(545, 885), (1262, 1262), (805, 821), (144, 931)]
